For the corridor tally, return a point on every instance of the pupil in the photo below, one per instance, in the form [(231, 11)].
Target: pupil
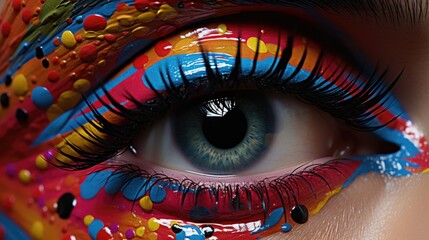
[(227, 130)]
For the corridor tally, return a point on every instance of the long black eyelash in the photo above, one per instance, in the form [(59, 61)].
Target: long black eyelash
[(357, 110)]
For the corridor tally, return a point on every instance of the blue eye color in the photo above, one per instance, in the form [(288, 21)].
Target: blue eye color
[(226, 134)]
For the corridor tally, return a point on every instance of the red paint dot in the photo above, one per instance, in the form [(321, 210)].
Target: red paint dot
[(5, 29), (79, 38), (8, 202), (155, 5), (56, 42), (55, 60), (69, 21), (163, 48), (88, 53), (110, 38), (16, 5), (53, 76), (26, 15), (140, 62), (94, 22), (38, 191), (104, 234), (141, 5)]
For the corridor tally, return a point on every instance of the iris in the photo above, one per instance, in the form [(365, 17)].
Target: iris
[(225, 134)]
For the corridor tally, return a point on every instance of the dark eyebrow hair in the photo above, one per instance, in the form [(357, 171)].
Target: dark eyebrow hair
[(394, 11)]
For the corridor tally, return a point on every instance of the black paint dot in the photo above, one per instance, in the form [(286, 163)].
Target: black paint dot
[(21, 115), (65, 205), (45, 63), (39, 53), (8, 80), (180, 5), (176, 228), (4, 100), (208, 231), (299, 214)]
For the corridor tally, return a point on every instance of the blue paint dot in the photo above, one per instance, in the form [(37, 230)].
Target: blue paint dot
[(93, 183), (41, 97), (286, 227), (190, 233), (94, 228), (157, 194), (135, 188), (79, 19), (272, 220)]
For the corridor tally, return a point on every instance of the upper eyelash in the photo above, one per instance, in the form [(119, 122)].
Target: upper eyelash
[(357, 108)]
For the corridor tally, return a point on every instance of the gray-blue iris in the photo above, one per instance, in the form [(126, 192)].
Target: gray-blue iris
[(225, 135)]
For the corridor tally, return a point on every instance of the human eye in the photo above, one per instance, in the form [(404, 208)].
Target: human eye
[(229, 127)]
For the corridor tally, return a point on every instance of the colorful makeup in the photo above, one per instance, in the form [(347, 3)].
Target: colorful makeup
[(62, 111)]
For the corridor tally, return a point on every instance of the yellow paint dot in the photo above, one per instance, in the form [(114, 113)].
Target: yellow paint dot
[(166, 11), (91, 34), (82, 86), (153, 224), (37, 230), (69, 99), (140, 32), (41, 163), (146, 17), (222, 28), (88, 220), (125, 20), (20, 85), (68, 40), (152, 236), (146, 204), (140, 231), (24, 176), (252, 43), (53, 112), (113, 28), (101, 63)]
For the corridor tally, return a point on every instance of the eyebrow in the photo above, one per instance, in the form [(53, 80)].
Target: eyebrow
[(393, 11)]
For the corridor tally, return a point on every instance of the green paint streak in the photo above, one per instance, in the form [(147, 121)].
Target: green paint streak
[(54, 12)]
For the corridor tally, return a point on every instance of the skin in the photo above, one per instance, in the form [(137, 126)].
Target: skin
[(375, 206)]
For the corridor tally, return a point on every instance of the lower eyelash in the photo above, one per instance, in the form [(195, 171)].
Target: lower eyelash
[(285, 192)]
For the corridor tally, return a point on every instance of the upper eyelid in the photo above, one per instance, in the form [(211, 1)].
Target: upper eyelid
[(374, 92)]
